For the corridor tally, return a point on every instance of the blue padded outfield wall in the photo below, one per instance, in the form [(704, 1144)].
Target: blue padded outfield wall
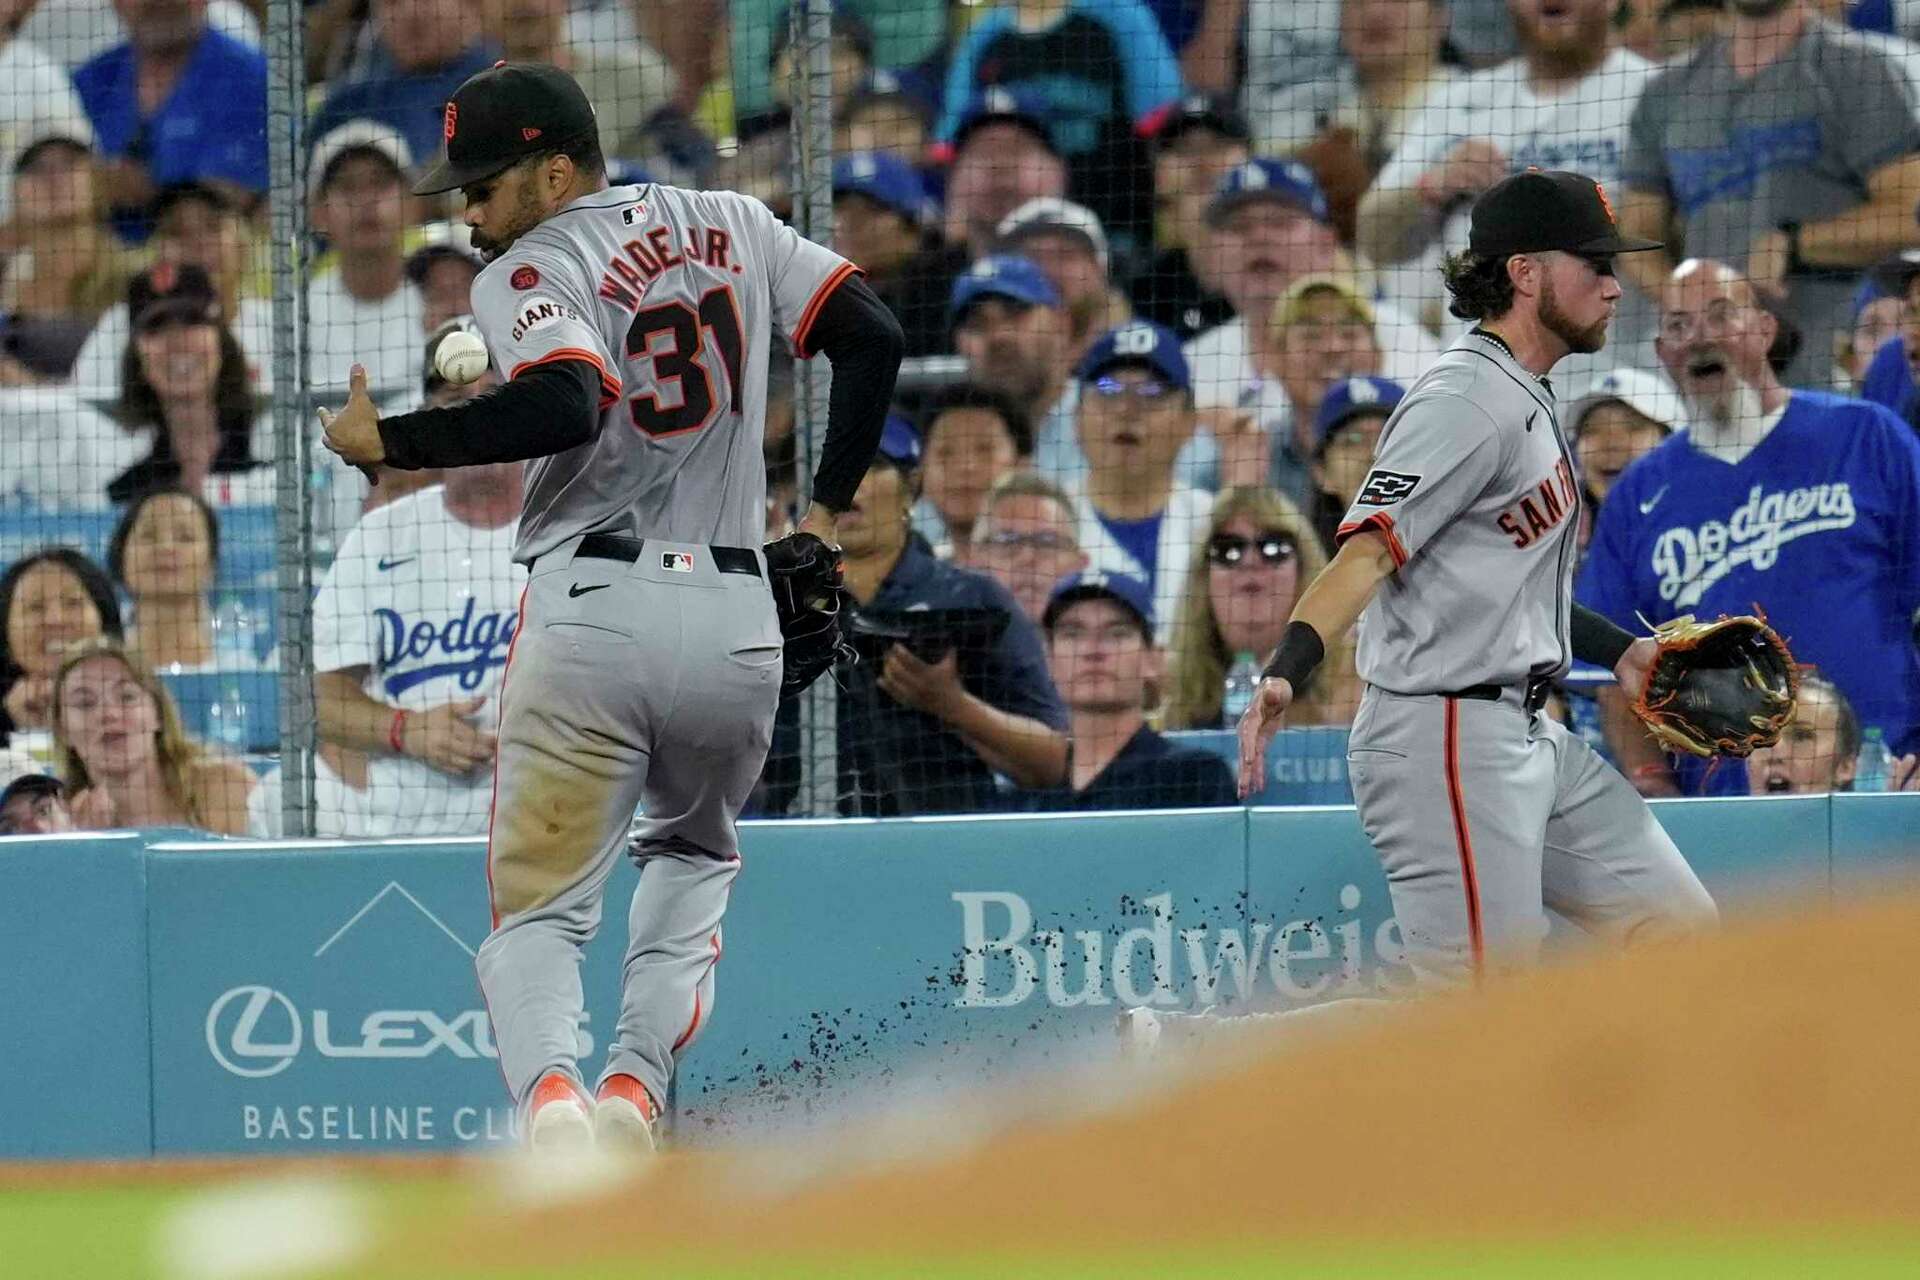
[(169, 996)]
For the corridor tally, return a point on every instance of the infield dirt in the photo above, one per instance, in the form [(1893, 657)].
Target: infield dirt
[(1759, 1083)]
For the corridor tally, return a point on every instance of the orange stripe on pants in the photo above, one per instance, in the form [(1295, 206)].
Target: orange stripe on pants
[(1463, 839)]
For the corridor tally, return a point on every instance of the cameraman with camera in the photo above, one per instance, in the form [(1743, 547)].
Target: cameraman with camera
[(952, 686)]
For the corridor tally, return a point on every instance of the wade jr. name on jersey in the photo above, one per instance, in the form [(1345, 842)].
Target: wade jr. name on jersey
[(647, 257)]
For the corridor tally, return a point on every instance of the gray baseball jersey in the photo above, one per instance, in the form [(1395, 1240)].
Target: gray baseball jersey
[(646, 668), (673, 295), (1473, 488), (1484, 811)]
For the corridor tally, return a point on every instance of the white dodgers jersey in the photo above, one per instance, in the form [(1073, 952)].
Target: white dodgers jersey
[(673, 296), (428, 605)]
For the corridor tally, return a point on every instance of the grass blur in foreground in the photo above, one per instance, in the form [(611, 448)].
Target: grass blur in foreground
[(82, 1233)]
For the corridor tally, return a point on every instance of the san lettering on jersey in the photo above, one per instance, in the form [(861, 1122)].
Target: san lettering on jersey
[(1527, 519), (654, 252)]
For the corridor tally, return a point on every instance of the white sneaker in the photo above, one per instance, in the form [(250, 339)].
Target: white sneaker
[(557, 1118), (623, 1116)]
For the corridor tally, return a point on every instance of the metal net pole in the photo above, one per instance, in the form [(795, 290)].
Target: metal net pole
[(812, 150), (293, 444)]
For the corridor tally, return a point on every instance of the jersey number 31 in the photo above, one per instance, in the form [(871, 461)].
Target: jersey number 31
[(678, 362)]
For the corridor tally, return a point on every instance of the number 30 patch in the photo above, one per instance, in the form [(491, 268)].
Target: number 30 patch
[(1384, 488)]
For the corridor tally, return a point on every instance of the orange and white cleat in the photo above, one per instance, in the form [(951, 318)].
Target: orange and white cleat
[(623, 1116), (558, 1115)]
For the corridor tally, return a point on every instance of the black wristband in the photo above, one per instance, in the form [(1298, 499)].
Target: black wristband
[(1596, 639), (1299, 653)]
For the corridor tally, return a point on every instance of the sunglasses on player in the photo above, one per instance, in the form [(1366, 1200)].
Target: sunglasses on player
[(1230, 552)]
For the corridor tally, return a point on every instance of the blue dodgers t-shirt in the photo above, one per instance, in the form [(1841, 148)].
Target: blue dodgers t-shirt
[(214, 126), (1139, 539), (1819, 525)]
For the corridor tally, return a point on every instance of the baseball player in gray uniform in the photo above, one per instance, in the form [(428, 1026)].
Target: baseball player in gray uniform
[(632, 326), (1457, 558)]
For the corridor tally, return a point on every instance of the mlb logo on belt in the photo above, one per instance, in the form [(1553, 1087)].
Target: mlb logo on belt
[(677, 561)]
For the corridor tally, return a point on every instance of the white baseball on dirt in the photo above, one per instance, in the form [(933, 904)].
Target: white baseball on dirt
[(460, 358)]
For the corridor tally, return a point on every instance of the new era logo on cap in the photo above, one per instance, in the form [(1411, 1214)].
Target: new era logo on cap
[(528, 135)]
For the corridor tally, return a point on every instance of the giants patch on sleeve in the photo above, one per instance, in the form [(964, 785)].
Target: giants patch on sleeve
[(536, 314), (1384, 488)]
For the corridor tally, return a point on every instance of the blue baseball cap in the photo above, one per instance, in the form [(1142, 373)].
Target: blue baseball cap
[(1002, 275), (885, 179), (1011, 106), (900, 443), (1287, 181), (1092, 584), (1138, 342), (1351, 397)]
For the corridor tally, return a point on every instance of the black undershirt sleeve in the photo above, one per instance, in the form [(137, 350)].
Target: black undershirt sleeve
[(548, 409), (1596, 639), (861, 338)]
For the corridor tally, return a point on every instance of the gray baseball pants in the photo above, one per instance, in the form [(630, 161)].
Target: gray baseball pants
[(651, 682), (1484, 813)]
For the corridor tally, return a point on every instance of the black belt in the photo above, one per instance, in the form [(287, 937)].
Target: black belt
[(1537, 689), (616, 546)]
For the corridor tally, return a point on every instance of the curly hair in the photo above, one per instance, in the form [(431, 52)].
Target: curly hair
[(1481, 288)]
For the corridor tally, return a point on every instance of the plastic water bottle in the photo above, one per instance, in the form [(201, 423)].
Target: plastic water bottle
[(1870, 768), (227, 719), (1243, 678), (236, 634)]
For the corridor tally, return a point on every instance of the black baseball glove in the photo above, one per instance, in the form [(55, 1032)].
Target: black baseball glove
[(1719, 688), (808, 592)]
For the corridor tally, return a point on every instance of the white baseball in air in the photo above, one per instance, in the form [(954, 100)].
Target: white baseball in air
[(460, 358)]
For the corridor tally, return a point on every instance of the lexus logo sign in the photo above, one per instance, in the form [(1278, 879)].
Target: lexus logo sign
[(241, 1044)]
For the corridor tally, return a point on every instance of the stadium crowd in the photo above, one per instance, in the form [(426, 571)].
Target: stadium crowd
[(1165, 268)]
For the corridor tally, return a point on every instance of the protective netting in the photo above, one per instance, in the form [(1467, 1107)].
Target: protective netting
[(1164, 267)]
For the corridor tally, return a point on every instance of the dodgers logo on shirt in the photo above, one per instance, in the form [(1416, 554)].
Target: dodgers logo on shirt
[(466, 647), (676, 561), (1384, 488), (1691, 560)]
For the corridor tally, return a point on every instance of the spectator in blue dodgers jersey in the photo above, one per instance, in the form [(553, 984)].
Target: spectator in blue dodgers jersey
[(928, 734), (1135, 415), (1108, 669), (1105, 74), (426, 49), (1804, 503), (884, 220), (178, 102), (1787, 146), (1003, 156), (1270, 225)]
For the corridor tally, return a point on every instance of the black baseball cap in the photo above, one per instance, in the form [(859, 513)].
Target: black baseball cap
[(1548, 209), (172, 291), (501, 116)]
